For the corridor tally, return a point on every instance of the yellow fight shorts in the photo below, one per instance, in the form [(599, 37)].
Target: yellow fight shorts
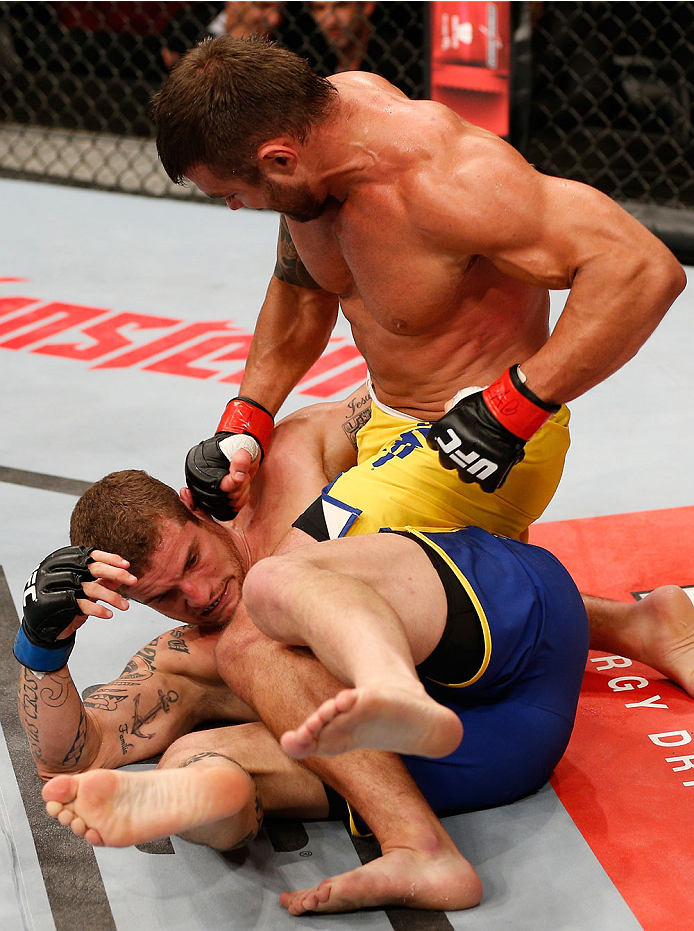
[(399, 482)]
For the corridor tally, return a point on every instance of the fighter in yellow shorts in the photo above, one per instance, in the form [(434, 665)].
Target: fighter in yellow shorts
[(398, 481)]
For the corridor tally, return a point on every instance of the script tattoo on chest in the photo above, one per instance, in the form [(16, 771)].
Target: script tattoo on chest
[(289, 266), (177, 642)]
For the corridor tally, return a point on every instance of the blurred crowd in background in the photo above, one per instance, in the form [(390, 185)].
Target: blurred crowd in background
[(598, 92)]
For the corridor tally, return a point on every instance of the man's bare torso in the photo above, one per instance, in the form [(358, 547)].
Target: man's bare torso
[(428, 320)]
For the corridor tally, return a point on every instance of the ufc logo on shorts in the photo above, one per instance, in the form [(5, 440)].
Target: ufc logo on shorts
[(471, 462), (30, 588)]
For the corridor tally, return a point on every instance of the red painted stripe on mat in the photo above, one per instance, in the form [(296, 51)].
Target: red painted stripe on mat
[(621, 780)]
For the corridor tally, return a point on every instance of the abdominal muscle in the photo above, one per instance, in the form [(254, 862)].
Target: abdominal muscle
[(419, 358)]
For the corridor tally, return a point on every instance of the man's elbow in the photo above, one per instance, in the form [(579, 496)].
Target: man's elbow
[(661, 277), (45, 773), (678, 278)]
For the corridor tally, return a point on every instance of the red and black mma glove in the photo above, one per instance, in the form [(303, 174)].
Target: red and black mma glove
[(50, 605), (483, 436), (208, 462)]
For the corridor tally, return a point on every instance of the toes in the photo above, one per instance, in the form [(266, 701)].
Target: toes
[(93, 837), (345, 700), (292, 745), (78, 827), (54, 808), (292, 901), (60, 789), (65, 816)]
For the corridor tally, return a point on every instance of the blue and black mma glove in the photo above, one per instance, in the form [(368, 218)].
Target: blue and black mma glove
[(50, 605), (484, 434), (244, 425)]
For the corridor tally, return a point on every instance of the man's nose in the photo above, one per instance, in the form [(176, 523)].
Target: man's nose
[(196, 594)]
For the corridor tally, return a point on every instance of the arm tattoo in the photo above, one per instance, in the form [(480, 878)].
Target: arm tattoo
[(72, 757), (166, 699), (106, 699), (289, 266), (28, 713), (360, 413), (132, 672), (55, 689)]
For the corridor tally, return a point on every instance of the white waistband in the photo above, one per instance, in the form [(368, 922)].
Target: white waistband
[(384, 407)]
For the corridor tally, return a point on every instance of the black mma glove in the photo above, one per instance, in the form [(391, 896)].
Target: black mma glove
[(208, 462), (50, 605), (483, 436)]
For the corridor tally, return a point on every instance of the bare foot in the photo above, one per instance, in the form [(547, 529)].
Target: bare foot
[(116, 809), (666, 618), (404, 877), (391, 719)]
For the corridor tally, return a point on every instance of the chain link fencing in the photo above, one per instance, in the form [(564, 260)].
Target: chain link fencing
[(602, 92), (76, 78), (610, 97)]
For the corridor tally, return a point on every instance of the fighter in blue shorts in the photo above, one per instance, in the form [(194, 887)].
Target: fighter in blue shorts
[(497, 638), (517, 701)]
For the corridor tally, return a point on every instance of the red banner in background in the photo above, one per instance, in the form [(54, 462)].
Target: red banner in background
[(470, 61)]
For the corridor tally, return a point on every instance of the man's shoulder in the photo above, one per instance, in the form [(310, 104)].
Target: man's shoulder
[(186, 651), (362, 79)]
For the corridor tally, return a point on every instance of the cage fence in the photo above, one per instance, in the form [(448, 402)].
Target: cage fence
[(602, 92)]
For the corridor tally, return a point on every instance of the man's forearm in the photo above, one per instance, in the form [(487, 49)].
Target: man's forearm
[(292, 331), (612, 309), (60, 732)]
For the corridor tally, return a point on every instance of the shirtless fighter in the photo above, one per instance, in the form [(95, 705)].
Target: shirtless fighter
[(439, 242), (191, 569)]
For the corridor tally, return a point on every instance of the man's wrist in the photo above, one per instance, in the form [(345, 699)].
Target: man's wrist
[(44, 657), (516, 407), (243, 415)]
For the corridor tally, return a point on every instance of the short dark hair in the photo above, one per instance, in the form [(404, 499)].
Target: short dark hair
[(122, 513), (226, 97)]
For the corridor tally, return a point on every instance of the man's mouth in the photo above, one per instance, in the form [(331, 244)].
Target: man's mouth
[(213, 605)]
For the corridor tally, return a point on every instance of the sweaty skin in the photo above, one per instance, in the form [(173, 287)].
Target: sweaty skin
[(129, 720), (441, 242)]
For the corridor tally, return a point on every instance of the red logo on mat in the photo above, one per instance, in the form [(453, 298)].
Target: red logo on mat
[(104, 338)]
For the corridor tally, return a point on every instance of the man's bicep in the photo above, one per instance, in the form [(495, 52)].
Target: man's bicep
[(289, 266), (143, 711)]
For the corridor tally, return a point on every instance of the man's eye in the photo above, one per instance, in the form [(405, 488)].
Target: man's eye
[(192, 561)]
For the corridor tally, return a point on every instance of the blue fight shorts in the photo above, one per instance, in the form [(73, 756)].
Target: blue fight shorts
[(518, 705)]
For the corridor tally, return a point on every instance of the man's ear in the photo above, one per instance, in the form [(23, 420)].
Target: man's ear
[(278, 158), (187, 498)]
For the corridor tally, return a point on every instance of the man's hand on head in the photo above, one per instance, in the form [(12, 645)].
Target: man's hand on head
[(60, 594)]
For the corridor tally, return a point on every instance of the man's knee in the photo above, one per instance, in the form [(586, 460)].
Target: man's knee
[(266, 591), (237, 743), (183, 750)]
